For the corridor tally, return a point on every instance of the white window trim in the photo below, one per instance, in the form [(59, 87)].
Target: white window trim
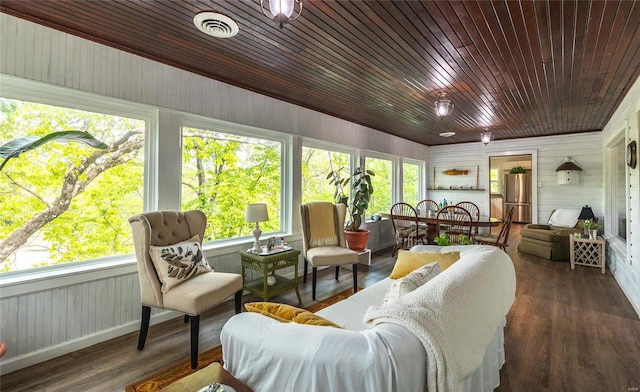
[(80, 271), (422, 165), (617, 244), (286, 162)]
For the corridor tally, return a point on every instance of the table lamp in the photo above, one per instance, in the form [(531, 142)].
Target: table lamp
[(256, 213), (586, 213)]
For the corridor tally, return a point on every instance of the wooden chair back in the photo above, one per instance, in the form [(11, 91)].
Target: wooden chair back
[(454, 221)]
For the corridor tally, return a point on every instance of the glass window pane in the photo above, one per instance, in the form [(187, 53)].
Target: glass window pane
[(410, 183), (382, 181), (618, 194), (61, 196), (316, 165), (222, 173)]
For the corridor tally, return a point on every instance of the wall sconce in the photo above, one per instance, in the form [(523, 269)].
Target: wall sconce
[(568, 172), (281, 10), (486, 137), (256, 213), (444, 107)]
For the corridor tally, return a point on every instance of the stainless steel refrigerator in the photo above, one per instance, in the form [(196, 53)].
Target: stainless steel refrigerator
[(517, 193)]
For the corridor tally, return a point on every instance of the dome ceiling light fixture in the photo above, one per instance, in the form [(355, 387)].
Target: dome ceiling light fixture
[(447, 134), (486, 137), (444, 107), (281, 10)]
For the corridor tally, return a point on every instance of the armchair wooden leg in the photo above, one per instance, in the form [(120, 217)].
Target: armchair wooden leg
[(337, 271), (355, 278), (238, 301), (314, 273), (195, 329), (304, 277), (144, 326)]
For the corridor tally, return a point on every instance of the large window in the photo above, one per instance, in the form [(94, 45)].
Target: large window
[(410, 183), (223, 172), (317, 163), (60, 197), (617, 190), (382, 183)]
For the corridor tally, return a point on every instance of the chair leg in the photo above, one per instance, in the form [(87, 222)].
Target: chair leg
[(304, 277), (337, 271), (238, 301), (314, 273), (186, 318), (195, 329), (355, 277), (144, 326)]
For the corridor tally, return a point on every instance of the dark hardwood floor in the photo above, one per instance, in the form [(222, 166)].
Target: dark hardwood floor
[(567, 331)]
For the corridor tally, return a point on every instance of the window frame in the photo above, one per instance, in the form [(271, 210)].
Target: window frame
[(422, 189), (286, 163), (396, 172), (31, 91), (611, 213), (353, 153)]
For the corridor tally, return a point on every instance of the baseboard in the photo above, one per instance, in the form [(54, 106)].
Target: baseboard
[(12, 364)]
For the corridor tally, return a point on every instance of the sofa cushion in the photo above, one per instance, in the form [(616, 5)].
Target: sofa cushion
[(178, 262), (540, 234), (412, 281), (287, 313), (410, 260)]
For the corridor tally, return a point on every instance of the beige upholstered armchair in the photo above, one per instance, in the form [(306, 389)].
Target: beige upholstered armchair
[(173, 272), (323, 240)]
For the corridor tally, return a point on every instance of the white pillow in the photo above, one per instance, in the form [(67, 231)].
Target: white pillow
[(179, 262), (411, 281), (565, 217)]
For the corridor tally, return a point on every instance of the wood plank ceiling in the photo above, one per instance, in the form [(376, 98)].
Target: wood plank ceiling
[(516, 68)]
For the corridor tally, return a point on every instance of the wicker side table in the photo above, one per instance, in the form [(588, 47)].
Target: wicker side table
[(268, 264), (589, 252)]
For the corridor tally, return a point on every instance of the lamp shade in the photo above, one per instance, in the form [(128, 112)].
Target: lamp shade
[(586, 213), (256, 213)]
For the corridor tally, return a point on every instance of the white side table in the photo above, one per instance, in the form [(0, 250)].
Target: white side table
[(589, 252)]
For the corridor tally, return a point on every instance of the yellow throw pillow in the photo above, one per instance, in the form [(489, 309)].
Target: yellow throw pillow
[(409, 261), (286, 313)]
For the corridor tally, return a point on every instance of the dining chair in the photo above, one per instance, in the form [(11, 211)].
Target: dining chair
[(454, 221), (173, 272), (424, 206), (474, 211), (502, 239), (406, 229), (323, 242)]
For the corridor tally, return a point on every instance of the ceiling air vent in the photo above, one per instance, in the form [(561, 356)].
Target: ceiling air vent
[(216, 25)]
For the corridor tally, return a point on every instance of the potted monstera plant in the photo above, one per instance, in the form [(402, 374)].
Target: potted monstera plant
[(361, 190)]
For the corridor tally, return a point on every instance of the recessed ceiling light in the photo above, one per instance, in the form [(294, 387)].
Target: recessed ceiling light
[(215, 25), (447, 134)]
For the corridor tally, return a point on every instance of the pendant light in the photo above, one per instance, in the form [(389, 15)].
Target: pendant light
[(281, 10), (444, 107)]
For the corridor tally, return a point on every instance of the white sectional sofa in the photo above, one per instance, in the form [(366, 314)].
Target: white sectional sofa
[(445, 335)]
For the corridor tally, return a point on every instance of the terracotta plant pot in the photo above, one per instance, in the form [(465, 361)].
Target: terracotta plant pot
[(357, 240)]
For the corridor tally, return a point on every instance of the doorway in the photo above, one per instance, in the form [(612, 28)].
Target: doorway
[(511, 185)]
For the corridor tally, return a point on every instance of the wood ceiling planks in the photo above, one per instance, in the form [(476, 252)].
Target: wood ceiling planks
[(517, 68)]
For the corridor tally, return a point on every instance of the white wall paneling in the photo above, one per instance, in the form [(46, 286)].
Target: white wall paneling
[(550, 152), (623, 259)]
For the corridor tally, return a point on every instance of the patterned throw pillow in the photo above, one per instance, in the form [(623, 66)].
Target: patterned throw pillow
[(179, 262), (411, 281)]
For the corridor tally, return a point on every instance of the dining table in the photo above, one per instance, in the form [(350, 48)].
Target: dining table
[(430, 218)]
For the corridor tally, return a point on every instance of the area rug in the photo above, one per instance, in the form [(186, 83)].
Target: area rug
[(173, 373)]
